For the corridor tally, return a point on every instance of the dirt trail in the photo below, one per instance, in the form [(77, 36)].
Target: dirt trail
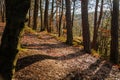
[(45, 58)]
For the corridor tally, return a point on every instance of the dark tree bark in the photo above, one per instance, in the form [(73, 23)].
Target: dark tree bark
[(114, 33), (85, 26), (35, 15), (69, 23), (16, 11), (46, 15)]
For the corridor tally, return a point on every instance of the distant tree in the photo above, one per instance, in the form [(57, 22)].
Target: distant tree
[(35, 14), (69, 23), (16, 11), (2, 10), (29, 20), (114, 33), (85, 26)]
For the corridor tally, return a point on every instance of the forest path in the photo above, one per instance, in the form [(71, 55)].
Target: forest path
[(45, 58)]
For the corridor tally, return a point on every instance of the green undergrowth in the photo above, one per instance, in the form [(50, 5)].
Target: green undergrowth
[(22, 49), (61, 39), (28, 30), (77, 41), (95, 53)]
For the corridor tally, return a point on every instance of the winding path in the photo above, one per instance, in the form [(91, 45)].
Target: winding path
[(45, 58)]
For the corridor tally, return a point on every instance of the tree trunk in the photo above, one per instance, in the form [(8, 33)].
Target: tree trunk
[(85, 26), (114, 33), (60, 19), (29, 21), (2, 10), (3, 15), (35, 15), (96, 26), (69, 23), (41, 16), (73, 12), (46, 15), (16, 11), (57, 19), (51, 16)]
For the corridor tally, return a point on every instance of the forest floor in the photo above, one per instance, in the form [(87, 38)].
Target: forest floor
[(43, 57)]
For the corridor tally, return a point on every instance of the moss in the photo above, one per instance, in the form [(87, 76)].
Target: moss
[(61, 39), (28, 30), (77, 41), (95, 53)]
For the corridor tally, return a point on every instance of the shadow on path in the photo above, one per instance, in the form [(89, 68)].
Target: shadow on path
[(26, 61), (44, 46), (93, 72)]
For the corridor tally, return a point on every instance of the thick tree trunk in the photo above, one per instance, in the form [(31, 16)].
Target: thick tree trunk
[(69, 23), (114, 33), (85, 26), (16, 11)]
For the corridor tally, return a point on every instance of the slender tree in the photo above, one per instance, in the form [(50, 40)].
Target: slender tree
[(69, 23), (41, 16), (46, 16), (85, 26), (73, 12), (29, 21), (114, 33), (60, 18), (57, 17), (95, 25), (16, 11), (51, 16), (97, 22), (35, 15), (2, 10)]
